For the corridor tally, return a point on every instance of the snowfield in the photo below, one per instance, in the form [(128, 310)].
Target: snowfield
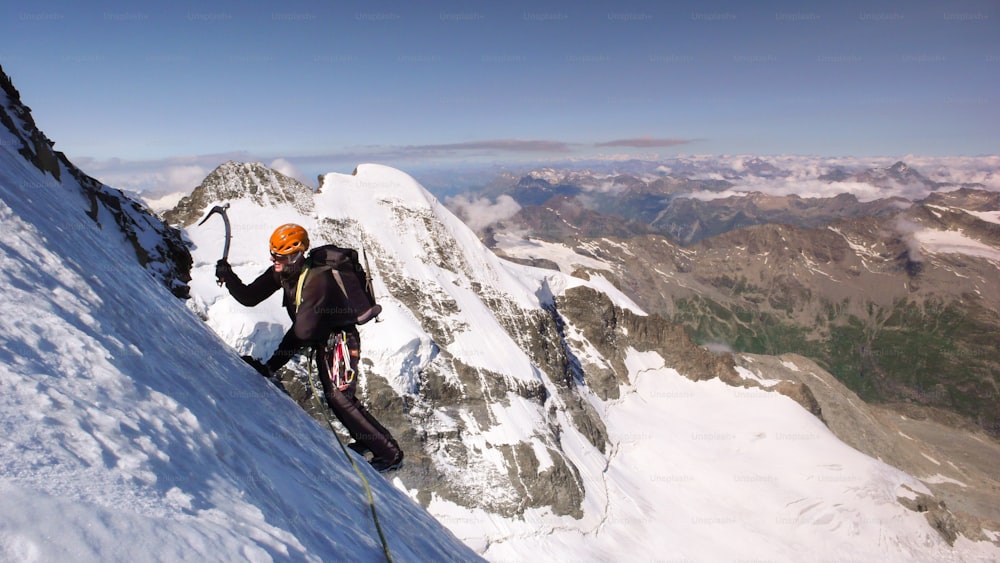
[(705, 471), (566, 258), (954, 242)]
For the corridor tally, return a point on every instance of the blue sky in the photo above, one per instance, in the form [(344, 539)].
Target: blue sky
[(321, 86)]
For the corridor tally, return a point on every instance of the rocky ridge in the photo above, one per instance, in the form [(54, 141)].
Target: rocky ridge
[(240, 180), (155, 245)]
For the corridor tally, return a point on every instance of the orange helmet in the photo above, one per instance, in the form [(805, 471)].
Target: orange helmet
[(289, 239)]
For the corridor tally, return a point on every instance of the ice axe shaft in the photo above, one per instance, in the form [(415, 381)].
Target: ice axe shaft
[(221, 210)]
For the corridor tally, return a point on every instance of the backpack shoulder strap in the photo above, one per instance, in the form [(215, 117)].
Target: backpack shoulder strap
[(301, 282)]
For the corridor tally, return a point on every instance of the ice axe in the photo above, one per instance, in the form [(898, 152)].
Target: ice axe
[(221, 210)]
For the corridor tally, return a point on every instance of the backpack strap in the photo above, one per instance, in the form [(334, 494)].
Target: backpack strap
[(298, 286), (340, 281), (302, 280)]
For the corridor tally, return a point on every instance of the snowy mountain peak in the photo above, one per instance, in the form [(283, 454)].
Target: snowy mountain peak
[(250, 181), (381, 206), (376, 181), (902, 172)]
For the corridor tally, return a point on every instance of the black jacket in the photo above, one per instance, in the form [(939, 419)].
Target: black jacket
[(316, 317)]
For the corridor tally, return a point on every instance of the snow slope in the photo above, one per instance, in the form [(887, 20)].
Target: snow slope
[(692, 471), (129, 431), (701, 471)]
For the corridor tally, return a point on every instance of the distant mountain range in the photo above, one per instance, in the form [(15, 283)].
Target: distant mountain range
[(695, 203), (898, 298)]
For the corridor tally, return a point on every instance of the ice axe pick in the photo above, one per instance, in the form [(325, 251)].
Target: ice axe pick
[(221, 210)]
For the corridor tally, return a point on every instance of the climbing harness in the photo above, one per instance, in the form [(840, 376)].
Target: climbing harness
[(338, 363)]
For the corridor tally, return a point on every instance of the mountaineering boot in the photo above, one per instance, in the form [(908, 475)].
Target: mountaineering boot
[(277, 382), (360, 448), (384, 466)]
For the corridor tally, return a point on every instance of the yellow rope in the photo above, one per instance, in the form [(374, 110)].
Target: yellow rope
[(364, 480)]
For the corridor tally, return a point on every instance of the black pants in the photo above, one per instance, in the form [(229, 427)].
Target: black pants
[(362, 426)]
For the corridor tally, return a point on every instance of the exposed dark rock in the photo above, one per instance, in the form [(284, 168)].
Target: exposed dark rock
[(936, 512)]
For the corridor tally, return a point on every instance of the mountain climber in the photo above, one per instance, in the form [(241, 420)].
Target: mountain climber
[(314, 319)]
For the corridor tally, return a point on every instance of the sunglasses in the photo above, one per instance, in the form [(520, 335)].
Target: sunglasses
[(285, 258)]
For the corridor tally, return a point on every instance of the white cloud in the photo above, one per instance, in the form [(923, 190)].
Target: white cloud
[(287, 168), (154, 183), (718, 347), (705, 195), (959, 169), (908, 232), (480, 212), (184, 177), (155, 178), (804, 172), (813, 188)]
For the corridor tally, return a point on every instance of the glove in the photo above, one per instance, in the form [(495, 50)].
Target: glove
[(262, 369), (259, 366), (222, 271)]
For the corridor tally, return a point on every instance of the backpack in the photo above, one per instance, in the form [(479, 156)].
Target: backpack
[(355, 285)]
